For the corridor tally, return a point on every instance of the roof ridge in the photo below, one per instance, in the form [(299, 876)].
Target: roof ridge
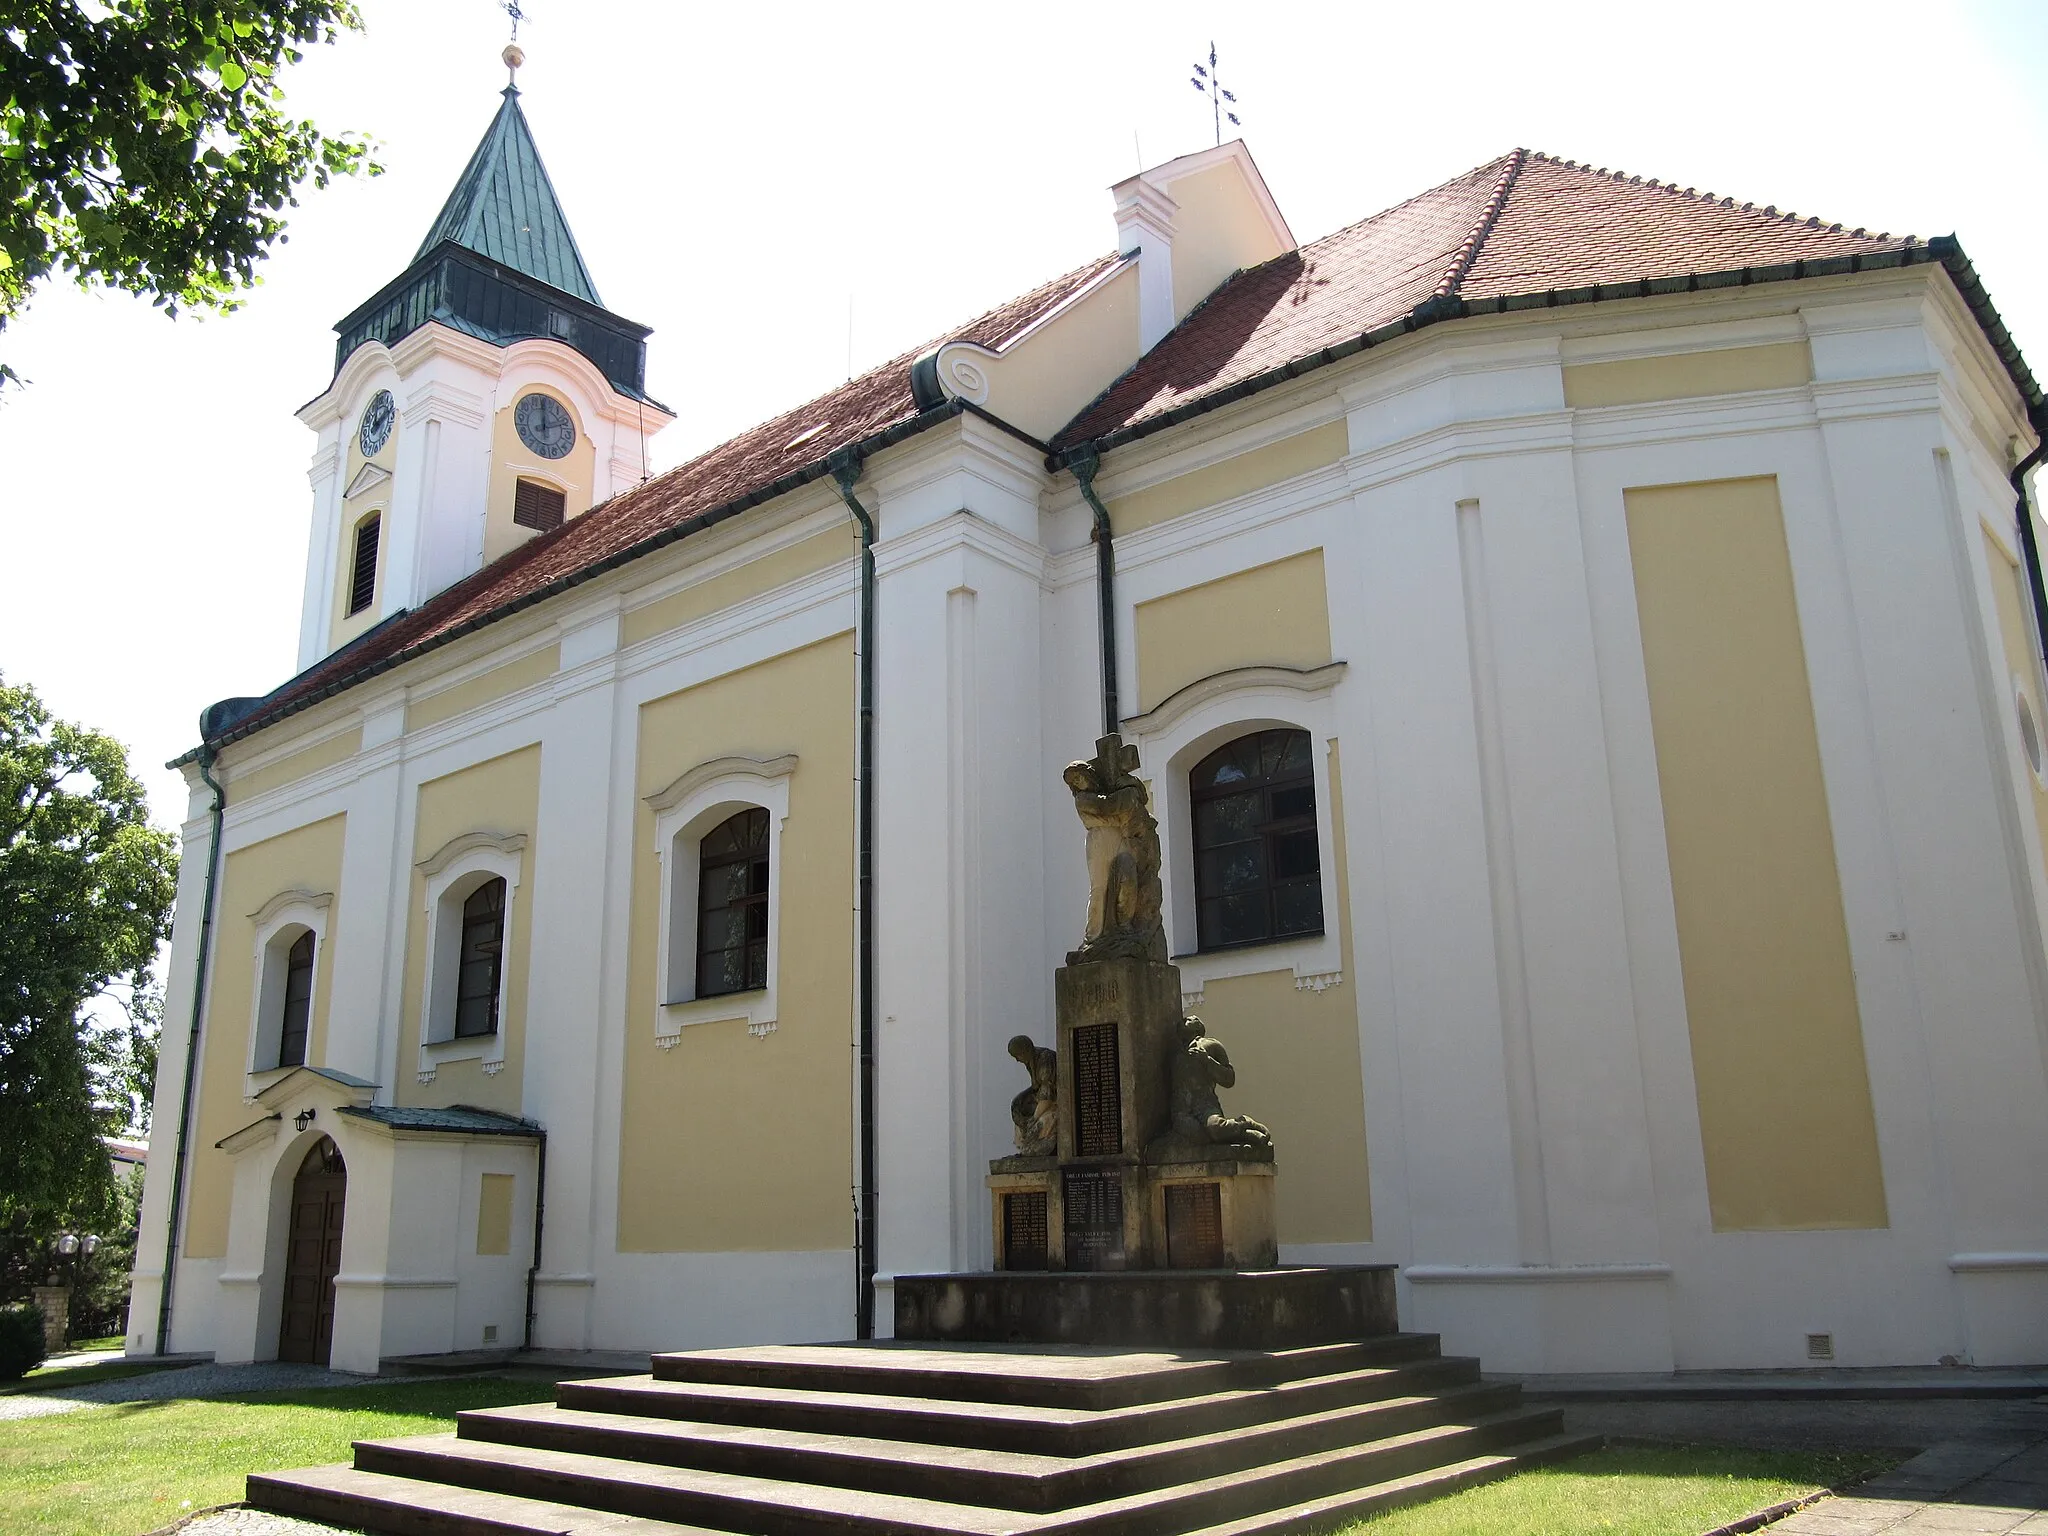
[(1672, 189), (1489, 215)]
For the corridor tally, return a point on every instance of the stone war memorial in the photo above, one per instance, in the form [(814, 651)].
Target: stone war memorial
[(1139, 1362)]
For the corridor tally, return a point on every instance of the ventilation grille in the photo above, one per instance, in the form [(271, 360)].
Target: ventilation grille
[(1820, 1346), (490, 1333), (538, 506), (362, 581)]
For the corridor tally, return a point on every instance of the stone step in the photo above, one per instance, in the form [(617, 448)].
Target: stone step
[(403, 1506), (1038, 1375), (768, 1507), (1341, 1509), (962, 1475), (1010, 1426)]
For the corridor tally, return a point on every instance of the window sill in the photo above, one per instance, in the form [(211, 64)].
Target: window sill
[(490, 1049), (1314, 960), (756, 1007)]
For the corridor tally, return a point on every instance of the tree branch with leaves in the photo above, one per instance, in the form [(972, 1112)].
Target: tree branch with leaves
[(145, 144), (86, 888)]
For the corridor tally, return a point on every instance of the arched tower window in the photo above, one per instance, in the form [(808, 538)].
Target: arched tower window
[(732, 905), (482, 961), (1258, 867), (296, 1021)]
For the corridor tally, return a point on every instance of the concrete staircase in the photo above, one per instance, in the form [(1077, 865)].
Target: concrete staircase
[(980, 1440)]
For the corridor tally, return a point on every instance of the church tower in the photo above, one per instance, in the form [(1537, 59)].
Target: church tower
[(482, 397)]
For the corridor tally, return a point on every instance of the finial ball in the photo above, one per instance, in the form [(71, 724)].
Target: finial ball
[(514, 55)]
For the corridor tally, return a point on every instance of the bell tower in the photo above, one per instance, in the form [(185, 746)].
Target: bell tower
[(482, 398)]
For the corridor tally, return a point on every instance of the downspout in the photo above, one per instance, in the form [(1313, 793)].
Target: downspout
[(163, 1305), (1084, 461), (845, 466), (540, 1210), (2030, 550)]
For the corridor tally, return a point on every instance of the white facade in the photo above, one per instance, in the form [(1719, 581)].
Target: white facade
[(1501, 921)]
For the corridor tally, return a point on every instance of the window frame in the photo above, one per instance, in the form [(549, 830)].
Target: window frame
[(279, 923), (1172, 739), (1263, 836), (453, 874), (695, 804)]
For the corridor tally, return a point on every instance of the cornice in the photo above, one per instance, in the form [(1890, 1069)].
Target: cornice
[(765, 770), (511, 844)]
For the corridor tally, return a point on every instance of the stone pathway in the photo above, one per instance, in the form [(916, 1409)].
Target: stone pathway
[(179, 1382), (1960, 1489)]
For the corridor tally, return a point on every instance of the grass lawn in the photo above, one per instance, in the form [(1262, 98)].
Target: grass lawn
[(1631, 1490), (124, 1469)]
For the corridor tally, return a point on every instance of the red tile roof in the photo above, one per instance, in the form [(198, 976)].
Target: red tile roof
[(1520, 231), (747, 465), (1522, 224)]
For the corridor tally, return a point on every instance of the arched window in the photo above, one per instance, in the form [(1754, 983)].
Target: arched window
[(1258, 869), (362, 576), (482, 960), (732, 905), (298, 1002)]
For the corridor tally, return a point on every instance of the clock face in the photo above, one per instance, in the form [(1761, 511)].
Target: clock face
[(544, 425), (378, 418)]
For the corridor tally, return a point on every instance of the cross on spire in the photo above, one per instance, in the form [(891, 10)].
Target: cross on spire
[(1207, 82), (514, 55)]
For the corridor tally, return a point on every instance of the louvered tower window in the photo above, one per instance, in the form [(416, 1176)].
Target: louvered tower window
[(362, 581), (538, 506), (483, 955), (732, 906), (298, 1003)]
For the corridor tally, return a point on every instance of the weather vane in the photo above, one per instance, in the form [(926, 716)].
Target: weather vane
[(514, 55), (1206, 81)]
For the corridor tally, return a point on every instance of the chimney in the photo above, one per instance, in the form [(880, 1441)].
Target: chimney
[(1144, 223)]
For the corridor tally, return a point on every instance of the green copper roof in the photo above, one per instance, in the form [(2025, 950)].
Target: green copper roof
[(504, 207)]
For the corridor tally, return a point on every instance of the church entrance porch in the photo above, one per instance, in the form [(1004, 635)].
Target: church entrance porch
[(313, 1255)]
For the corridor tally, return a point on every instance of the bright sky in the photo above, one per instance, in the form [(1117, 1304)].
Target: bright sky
[(735, 173)]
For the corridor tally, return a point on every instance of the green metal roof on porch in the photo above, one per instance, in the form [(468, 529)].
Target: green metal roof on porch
[(504, 207)]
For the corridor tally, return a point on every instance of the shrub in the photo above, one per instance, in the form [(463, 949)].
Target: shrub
[(21, 1340)]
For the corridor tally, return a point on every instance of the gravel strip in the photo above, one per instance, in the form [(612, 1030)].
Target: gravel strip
[(182, 1382), (240, 1520)]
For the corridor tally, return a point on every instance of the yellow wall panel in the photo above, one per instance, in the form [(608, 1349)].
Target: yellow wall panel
[(574, 474), (1236, 476), (289, 770), (729, 1142), (1297, 1061), (1688, 375), (306, 858), (494, 1215), (489, 687), (1271, 615), (501, 796), (1789, 1134), (806, 557)]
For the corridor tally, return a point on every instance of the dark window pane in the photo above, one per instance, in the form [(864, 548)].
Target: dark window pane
[(1257, 865), (1295, 856), (732, 905), (1298, 909), (482, 966), (297, 1019), (362, 577), (1290, 803), (1226, 820)]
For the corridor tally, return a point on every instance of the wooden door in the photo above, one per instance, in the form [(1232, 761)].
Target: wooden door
[(313, 1255)]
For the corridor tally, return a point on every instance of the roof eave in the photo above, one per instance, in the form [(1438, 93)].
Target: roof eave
[(781, 486), (1944, 249)]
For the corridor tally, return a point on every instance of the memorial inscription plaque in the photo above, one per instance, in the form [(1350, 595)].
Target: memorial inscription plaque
[(1094, 1200), (1024, 1234), (1098, 1092), (1194, 1226)]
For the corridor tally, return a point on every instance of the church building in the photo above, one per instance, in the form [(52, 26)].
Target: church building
[(1579, 645)]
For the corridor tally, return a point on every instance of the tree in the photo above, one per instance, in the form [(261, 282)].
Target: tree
[(144, 144), (86, 885)]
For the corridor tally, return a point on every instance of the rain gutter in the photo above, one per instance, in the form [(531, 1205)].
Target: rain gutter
[(204, 757)]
